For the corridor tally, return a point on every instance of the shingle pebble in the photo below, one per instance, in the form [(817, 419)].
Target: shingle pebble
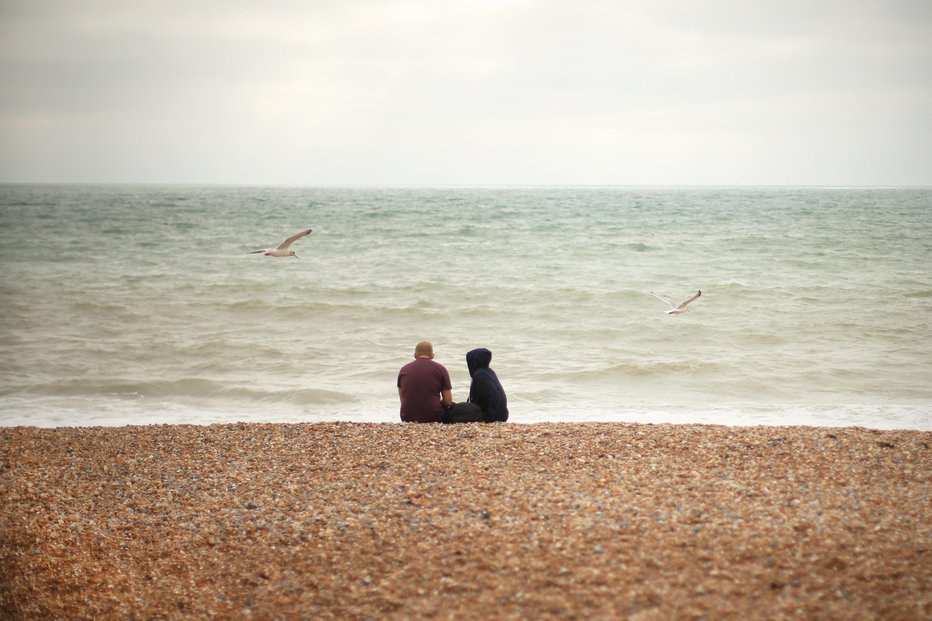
[(504, 521)]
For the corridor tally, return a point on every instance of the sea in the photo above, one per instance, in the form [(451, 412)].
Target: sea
[(141, 304)]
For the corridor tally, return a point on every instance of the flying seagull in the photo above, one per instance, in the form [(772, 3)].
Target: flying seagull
[(282, 250), (676, 310)]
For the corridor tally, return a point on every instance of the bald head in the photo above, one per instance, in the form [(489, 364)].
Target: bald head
[(424, 350)]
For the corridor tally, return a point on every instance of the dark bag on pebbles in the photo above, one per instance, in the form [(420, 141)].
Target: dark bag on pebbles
[(463, 413)]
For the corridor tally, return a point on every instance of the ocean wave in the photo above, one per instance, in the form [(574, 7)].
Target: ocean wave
[(641, 369), (732, 284), (189, 388)]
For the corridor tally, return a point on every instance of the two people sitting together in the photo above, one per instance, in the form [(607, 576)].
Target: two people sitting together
[(426, 392)]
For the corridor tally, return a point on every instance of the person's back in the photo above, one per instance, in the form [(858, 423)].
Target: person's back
[(424, 387), (486, 391)]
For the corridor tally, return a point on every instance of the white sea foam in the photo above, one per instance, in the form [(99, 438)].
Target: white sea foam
[(139, 305)]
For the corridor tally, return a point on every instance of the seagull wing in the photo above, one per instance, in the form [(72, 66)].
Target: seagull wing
[(293, 238), (664, 300), (685, 302)]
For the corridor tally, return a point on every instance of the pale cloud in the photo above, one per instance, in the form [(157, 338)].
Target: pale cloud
[(457, 92)]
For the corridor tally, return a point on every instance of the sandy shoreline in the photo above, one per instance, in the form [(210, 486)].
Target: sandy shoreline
[(357, 521)]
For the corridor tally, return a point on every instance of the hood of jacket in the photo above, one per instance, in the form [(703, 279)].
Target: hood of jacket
[(478, 359)]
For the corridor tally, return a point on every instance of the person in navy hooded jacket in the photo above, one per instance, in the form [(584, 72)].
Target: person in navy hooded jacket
[(486, 391)]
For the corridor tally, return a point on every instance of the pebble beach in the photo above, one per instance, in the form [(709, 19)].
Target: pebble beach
[(502, 521)]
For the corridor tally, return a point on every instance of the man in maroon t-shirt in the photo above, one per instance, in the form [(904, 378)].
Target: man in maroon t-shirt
[(424, 387)]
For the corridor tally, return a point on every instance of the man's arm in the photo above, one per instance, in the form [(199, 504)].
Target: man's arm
[(446, 397)]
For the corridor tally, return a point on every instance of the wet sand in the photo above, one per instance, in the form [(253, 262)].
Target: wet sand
[(391, 521)]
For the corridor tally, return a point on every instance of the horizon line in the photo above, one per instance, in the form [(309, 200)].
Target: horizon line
[(461, 185)]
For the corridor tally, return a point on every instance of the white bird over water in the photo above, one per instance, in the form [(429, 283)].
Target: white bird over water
[(282, 250), (676, 310)]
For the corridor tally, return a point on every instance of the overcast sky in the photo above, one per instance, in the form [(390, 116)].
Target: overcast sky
[(471, 92)]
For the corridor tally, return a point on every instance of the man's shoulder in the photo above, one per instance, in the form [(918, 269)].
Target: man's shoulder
[(422, 363), (419, 362)]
